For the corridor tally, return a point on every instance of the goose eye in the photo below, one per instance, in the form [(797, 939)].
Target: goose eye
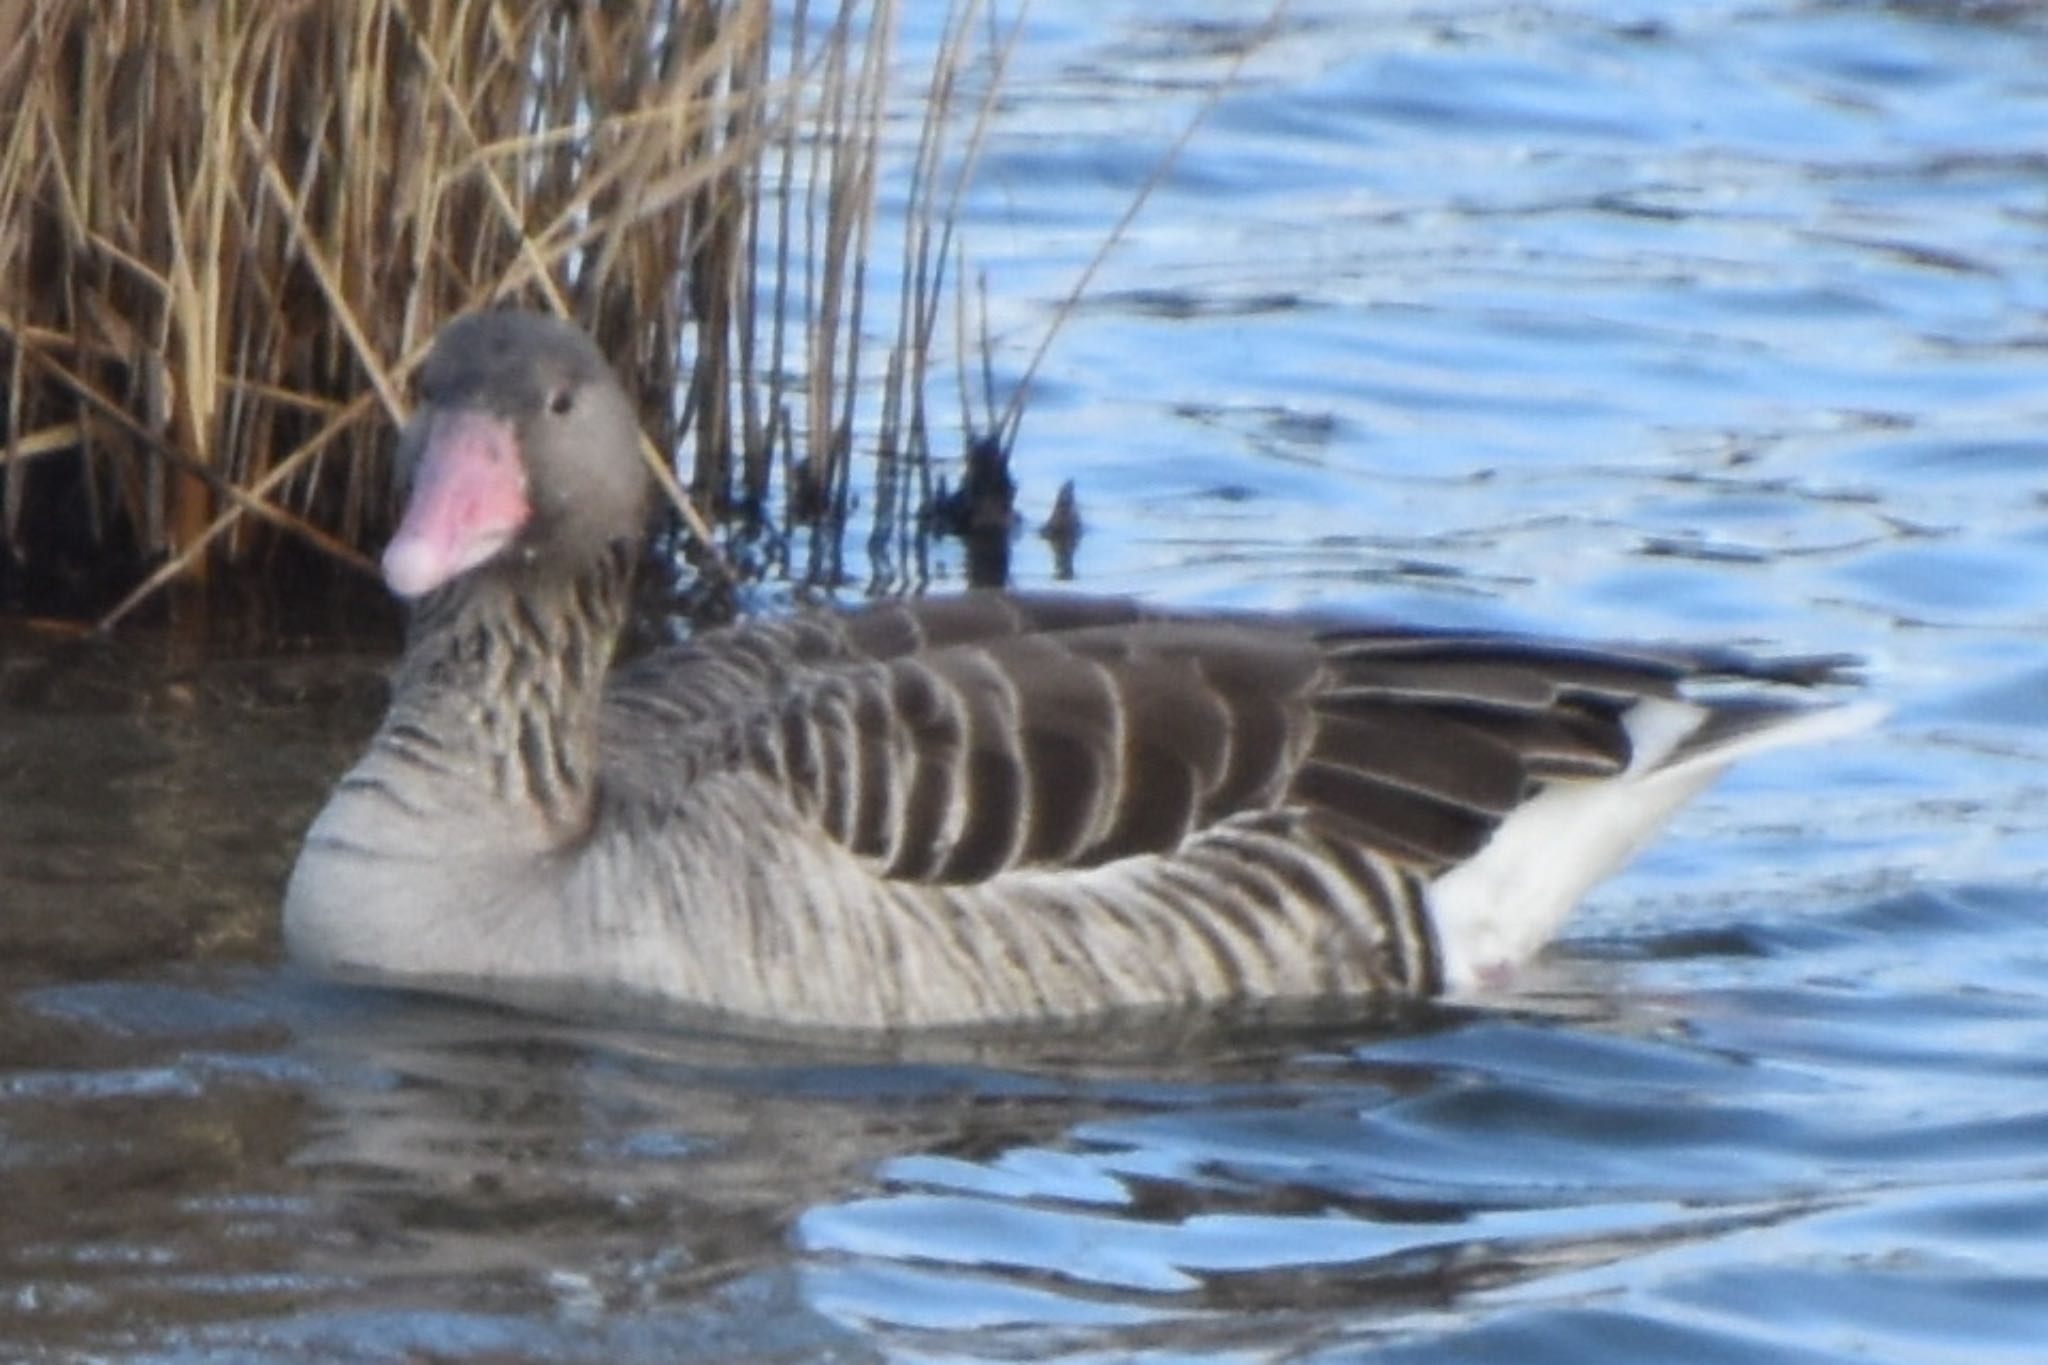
[(560, 401)]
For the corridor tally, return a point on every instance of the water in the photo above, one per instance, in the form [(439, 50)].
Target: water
[(1613, 319)]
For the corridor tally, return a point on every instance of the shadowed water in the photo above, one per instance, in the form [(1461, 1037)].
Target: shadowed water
[(1609, 319)]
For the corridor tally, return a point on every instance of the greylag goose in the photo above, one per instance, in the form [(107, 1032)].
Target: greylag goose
[(978, 809)]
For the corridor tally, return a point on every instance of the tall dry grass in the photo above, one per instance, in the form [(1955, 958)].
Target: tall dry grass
[(228, 229)]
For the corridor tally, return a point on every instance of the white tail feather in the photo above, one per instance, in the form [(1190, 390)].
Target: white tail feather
[(1493, 912)]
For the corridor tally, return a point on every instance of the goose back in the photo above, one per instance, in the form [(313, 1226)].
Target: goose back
[(955, 740)]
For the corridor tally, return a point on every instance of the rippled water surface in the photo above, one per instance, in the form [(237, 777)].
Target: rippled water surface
[(1616, 319)]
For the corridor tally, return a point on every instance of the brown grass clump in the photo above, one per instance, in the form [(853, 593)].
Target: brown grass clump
[(228, 229)]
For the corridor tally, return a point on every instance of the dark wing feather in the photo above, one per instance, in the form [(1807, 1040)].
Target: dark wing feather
[(951, 739), (932, 736), (1053, 748), (1425, 741)]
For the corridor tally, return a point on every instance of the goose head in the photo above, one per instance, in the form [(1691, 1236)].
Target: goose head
[(522, 459)]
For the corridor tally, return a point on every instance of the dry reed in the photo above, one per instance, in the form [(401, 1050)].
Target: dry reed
[(228, 229)]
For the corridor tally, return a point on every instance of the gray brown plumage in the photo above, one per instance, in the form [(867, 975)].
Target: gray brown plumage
[(979, 808)]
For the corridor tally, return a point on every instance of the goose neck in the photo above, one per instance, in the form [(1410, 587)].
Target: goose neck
[(504, 674)]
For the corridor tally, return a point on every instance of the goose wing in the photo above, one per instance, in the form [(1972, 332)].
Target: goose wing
[(952, 740)]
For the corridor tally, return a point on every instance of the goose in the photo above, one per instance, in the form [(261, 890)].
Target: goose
[(988, 808)]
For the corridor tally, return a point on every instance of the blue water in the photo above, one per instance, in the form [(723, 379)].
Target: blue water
[(1702, 320)]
